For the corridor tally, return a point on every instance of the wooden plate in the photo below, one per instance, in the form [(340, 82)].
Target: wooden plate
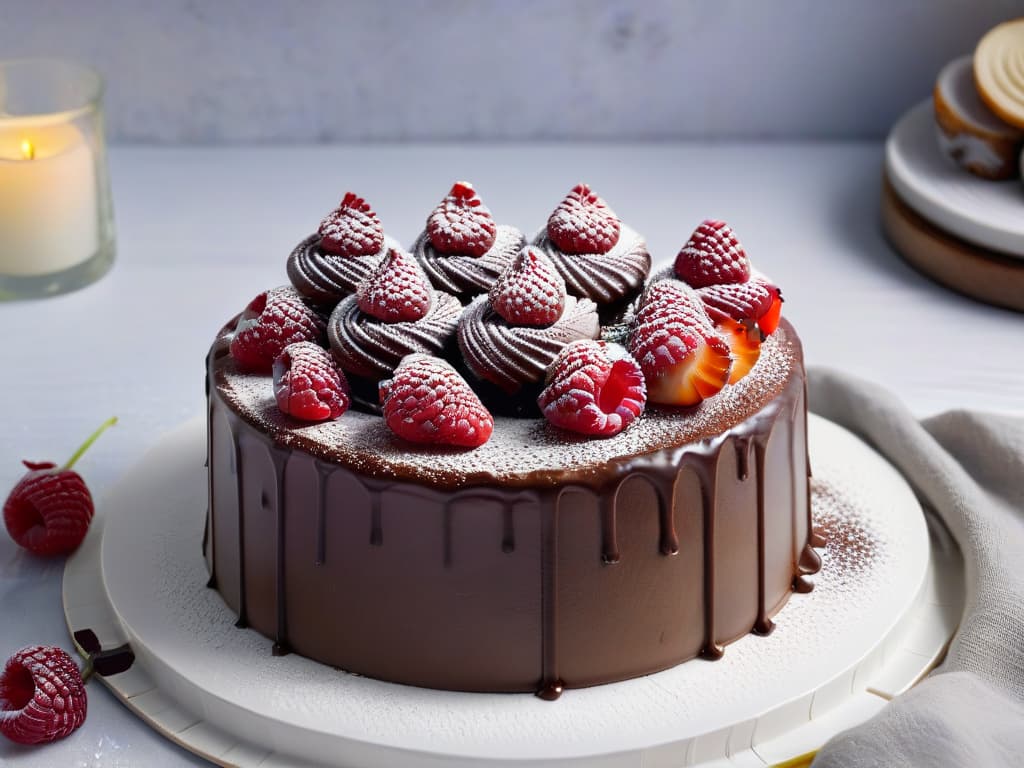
[(968, 269)]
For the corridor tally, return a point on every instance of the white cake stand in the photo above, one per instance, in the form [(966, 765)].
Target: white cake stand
[(882, 611), (986, 213)]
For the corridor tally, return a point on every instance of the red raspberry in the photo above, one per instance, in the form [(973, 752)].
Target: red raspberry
[(308, 384), (42, 696), (352, 229), (427, 401), (461, 225), (272, 321), (530, 291), (397, 290), (712, 255), (49, 510), (683, 358), (750, 303), (583, 223), (593, 387)]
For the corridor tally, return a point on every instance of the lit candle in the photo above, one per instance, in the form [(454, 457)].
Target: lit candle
[(48, 196)]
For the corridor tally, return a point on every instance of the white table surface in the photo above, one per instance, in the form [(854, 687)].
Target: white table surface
[(201, 231)]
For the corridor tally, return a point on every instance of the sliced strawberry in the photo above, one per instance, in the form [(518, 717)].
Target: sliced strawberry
[(712, 255), (594, 388), (427, 401), (683, 358), (754, 302), (461, 224), (769, 321), (352, 229), (745, 344), (583, 223), (396, 291), (530, 291)]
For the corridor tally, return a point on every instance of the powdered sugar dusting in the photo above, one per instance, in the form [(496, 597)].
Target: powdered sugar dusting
[(519, 448)]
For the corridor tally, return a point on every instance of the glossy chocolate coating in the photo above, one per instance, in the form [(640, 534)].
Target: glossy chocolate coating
[(534, 564)]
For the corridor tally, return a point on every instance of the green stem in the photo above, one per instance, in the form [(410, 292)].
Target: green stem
[(85, 446), (88, 670)]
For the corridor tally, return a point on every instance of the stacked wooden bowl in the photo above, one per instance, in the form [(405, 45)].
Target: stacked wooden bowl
[(953, 200)]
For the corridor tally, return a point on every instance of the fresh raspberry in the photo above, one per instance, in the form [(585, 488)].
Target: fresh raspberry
[(308, 384), (712, 255), (530, 291), (272, 321), (583, 223), (396, 291), (461, 224), (351, 229), (49, 510), (750, 303), (593, 387), (427, 401), (683, 358), (42, 696)]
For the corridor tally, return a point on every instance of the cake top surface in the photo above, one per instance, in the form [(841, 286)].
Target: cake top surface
[(522, 452)]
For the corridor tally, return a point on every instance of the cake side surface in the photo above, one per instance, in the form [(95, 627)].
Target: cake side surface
[(531, 563)]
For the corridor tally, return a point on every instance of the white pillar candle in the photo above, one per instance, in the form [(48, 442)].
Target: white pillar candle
[(48, 197)]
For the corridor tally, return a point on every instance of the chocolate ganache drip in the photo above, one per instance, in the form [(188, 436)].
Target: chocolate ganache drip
[(326, 278), (468, 276), (604, 278), (512, 356), (366, 346)]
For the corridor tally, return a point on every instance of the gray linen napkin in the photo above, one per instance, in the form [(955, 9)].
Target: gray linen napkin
[(968, 468)]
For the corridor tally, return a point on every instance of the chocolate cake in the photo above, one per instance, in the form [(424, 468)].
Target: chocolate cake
[(539, 558)]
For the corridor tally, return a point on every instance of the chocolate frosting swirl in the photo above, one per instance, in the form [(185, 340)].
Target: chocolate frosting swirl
[(366, 346), (325, 278), (604, 278), (468, 275), (512, 356)]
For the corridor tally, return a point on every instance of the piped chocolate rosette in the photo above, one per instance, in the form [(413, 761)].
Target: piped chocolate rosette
[(510, 337), (462, 250), (741, 307), (394, 313), (599, 257), (330, 264)]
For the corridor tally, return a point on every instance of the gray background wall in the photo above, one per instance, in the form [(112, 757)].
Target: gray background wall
[(314, 70)]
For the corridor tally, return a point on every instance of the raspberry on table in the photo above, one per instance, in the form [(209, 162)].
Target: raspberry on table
[(42, 696)]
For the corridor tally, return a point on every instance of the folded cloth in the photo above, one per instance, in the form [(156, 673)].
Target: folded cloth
[(968, 468)]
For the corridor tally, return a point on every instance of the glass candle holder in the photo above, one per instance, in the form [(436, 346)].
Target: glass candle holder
[(56, 217)]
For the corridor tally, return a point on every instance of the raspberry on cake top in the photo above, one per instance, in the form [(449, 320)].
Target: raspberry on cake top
[(462, 249), (600, 257), (395, 312), (510, 337), (328, 265)]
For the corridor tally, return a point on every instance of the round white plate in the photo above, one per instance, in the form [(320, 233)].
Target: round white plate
[(883, 608), (986, 213)]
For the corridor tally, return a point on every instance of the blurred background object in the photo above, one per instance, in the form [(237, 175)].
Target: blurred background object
[(187, 71)]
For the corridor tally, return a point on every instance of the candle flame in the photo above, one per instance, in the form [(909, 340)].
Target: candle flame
[(28, 151)]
